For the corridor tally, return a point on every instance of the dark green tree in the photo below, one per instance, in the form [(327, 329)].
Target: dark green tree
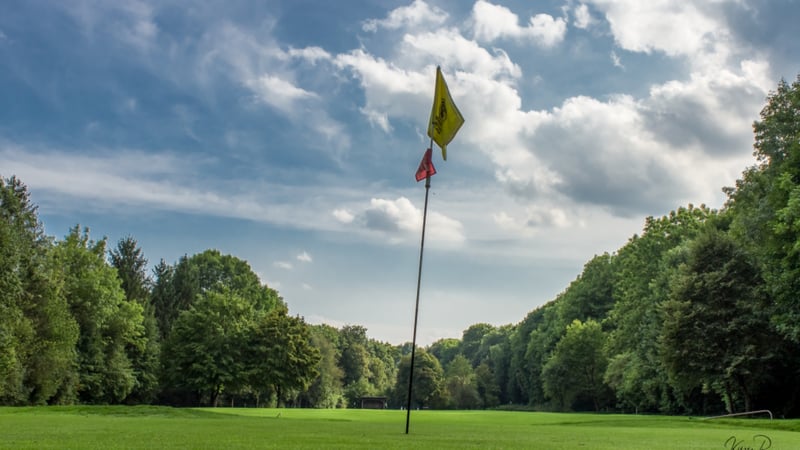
[(642, 269), (37, 331), (326, 391), (461, 384), (766, 204), (471, 341), (428, 389), (716, 329)]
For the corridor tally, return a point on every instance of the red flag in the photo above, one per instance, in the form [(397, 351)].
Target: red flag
[(426, 168)]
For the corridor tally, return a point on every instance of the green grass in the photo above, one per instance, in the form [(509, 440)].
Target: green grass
[(103, 427)]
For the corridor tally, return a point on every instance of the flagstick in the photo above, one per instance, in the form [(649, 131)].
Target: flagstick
[(416, 308)]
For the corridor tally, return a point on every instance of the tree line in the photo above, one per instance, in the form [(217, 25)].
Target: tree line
[(699, 314)]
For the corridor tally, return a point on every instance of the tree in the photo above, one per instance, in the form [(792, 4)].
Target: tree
[(471, 341), (109, 324), (279, 355), (131, 267), (37, 331), (577, 365), (428, 387), (520, 387), (445, 350), (642, 274), (203, 353), (719, 298), (162, 297), (590, 295), (461, 384), (354, 362), (766, 204), (326, 389), (488, 390), (177, 288)]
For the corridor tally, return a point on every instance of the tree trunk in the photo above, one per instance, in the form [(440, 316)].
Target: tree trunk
[(215, 397), (745, 393), (729, 397)]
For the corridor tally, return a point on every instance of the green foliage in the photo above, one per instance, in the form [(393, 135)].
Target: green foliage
[(177, 288), (445, 350), (131, 267), (428, 389), (766, 204), (109, 323), (462, 387), (590, 296), (37, 332), (203, 354), (279, 354), (471, 341), (326, 389), (642, 276), (576, 367), (718, 297)]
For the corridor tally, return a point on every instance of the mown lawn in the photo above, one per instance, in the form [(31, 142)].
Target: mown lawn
[(104, 427)]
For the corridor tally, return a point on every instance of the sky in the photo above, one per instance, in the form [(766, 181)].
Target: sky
[(287, 133)]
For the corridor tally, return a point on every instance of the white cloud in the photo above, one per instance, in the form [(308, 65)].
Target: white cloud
[(283, 265), (583, 19), (417, 14), (492, 22), (310, 54), (130, 22), (343, 215), (615, 59), (695, 30), (400, 221), (304, 257), (278, 93), (375, 118), (401, 89), (254, 60)]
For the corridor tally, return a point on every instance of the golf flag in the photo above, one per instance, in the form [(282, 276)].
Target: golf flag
[(445, 119), (426, 168)]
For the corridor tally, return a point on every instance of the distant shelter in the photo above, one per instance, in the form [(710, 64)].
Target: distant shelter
[(373, 402)]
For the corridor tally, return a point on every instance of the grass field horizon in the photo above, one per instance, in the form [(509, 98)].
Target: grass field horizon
[(88, 427)]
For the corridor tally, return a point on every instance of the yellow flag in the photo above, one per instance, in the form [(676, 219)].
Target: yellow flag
[(445, 119)]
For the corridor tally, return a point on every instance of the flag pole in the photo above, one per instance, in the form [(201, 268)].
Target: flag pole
[(416, 307)]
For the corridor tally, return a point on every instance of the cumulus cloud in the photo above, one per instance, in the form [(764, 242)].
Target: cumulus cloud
[(695, 30), (283, 265), (304, 257), (343, 215), (417, 14), (401, 89), (400, 221), (493, 22)]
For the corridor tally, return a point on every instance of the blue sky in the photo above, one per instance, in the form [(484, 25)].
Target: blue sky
[(287, 133)]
